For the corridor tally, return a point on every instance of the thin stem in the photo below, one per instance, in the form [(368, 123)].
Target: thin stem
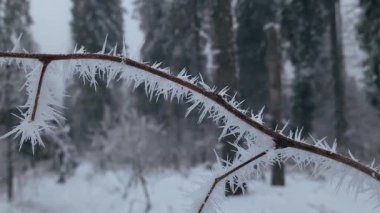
[(278, 138), (222, 177), (146, 193), (45, 63)]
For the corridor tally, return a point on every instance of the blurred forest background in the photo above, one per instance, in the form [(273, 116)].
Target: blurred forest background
[(314, 63)]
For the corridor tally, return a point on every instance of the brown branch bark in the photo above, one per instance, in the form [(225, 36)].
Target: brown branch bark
[(279, 139), (45, 63)]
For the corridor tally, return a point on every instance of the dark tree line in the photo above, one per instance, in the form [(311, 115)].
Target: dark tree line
[(93, 24), (311, 39)]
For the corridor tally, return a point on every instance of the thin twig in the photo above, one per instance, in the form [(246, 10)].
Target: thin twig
[(146, 192), (222, 177)]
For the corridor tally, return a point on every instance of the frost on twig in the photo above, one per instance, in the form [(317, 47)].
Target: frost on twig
[(261, 145), (41, 112)]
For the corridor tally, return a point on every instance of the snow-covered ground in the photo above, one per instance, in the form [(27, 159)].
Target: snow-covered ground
[(90, 191)]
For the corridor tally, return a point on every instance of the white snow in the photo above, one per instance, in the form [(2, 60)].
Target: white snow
[(98, 192)]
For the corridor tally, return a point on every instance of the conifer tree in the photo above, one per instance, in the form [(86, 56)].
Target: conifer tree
[(303, 28), (15, 20), (172, 32), (153, 15), (169, 40), (93, 22), (369, 37), (173, 38), (251, 17)]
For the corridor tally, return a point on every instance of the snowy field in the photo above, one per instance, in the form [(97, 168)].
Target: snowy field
[(90, 191)]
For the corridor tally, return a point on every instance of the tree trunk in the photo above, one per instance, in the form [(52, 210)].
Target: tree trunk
[(197, 37), (9, 171), (8, 124), (224, 45), (338, 69), (225, 64), (273, 63)]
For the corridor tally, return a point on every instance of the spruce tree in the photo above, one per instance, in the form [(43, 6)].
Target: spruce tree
[(184, 46), (369, 37), (172, 32), (251, 17), (15, 20), (93, 22), (173, 38), (303, 27), (153, 15)]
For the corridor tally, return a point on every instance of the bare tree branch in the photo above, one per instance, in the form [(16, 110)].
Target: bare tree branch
[(279, 139)]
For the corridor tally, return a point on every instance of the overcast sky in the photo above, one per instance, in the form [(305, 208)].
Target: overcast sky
[(51, 28)]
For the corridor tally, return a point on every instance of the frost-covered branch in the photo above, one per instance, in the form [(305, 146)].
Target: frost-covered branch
[(42, 112), (37, 98), (217, 180)]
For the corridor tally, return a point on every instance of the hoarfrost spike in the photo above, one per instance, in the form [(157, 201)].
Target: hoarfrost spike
[(124, 49), (103, 51)]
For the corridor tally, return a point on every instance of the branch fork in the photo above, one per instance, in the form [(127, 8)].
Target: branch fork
[(218, 107)]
